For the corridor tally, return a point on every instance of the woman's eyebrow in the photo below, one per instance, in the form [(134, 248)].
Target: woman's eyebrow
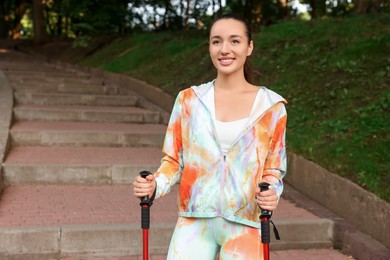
[(231, 36)]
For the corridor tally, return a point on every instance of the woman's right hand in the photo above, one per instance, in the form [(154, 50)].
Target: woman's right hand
[(144, 186)]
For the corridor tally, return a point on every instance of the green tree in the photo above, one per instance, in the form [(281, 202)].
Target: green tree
[(260, 12), (11, 14)]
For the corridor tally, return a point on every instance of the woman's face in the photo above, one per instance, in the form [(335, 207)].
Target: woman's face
[(229, 46)]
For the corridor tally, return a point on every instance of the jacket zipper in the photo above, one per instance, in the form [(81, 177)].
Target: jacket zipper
[(219, 211), (251, 125)]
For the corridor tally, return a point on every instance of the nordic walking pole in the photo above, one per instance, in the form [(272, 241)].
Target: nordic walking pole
[(265, 227), (145, 219)]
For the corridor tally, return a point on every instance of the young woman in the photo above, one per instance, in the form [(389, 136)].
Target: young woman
[(224, 137)]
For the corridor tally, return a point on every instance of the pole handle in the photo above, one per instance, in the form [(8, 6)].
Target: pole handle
[(144, 174), (265, 213), (264, 186), (265, 220), (145, 204)]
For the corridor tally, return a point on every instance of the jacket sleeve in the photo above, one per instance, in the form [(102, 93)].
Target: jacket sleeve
[(276, 162), (171, 166)]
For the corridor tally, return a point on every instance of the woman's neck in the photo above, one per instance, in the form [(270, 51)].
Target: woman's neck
[(231, 83)]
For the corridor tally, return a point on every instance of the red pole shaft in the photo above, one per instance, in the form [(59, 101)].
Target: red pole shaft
[(145, 243), (145, 219), (266, 251)]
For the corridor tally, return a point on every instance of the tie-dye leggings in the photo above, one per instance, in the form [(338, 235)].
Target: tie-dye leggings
[(202, 238)]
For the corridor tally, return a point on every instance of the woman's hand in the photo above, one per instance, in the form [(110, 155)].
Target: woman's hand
[(144, 186), (267, 200)]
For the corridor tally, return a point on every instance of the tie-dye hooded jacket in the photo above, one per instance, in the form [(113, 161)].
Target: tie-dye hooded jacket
[(213, 184)]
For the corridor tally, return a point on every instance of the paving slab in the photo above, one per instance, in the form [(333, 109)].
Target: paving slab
[(105, 219), (48, 205), (39, 98), (83, 155), (44, 133), (310, 254), (78, 165), (98, 89), (104, 114)]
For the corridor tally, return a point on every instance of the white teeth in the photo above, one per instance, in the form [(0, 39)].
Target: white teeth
[(226, 61)]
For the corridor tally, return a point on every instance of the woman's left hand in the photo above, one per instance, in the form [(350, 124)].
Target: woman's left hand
[(267, 200)]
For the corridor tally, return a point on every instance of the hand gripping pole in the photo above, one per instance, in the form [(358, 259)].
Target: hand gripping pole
[(265, 225), (145, 219)]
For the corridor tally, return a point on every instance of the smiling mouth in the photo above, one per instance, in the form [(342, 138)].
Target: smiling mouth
[(226, 61)]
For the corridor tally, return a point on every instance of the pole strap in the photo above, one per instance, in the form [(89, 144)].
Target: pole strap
[(276, 232), (266, 231)]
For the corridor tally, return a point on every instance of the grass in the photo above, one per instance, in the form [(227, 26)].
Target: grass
[(335, 74)]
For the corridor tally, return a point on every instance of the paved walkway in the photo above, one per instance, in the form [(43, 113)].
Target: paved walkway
[(311, 254), (48, 205), (78, 190)]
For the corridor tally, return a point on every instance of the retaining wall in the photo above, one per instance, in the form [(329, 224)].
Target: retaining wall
[(6, 106), (368, 212)]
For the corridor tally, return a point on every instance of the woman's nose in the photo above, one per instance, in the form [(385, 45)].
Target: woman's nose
[(225, 48)]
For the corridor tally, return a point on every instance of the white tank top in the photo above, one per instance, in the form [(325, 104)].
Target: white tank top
[(227, 132)]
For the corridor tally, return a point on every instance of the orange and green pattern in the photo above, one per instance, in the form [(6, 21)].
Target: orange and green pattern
[(213, 184)]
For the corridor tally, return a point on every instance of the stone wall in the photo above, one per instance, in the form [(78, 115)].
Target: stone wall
[(6, 106), (369, 213)]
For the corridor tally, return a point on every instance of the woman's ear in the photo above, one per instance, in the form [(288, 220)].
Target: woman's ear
[(250, 48)]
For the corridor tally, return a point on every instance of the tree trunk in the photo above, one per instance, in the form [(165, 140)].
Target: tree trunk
[(67, 26), (213, 8), (4, 21), (40, 34), (59, 25), (220, 10), (187, 19), (318, 8), (366, 6), (182, 10), (166, 24), (283, 9)]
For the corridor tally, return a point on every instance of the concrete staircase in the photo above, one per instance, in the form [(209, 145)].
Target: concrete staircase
[(77, 143)]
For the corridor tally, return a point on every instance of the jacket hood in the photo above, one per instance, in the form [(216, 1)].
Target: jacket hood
[(268, 99)]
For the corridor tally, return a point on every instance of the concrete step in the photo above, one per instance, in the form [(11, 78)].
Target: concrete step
[(74, 220), (75, 88), (42, 70), (309, 254), (78, 165), (68, 220), (109, 114), (10, 57), (38, 98), (85, 79), (35, 133)]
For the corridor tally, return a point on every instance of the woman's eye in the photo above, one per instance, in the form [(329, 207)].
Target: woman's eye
[(235, 41), (215, 42)]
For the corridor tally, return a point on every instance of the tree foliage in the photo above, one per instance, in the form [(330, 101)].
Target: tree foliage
[(82, 19)]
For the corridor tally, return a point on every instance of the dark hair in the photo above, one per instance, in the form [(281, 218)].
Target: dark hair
[(247, 66)]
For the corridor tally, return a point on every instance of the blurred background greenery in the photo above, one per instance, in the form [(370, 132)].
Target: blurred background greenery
[(82, 20)]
